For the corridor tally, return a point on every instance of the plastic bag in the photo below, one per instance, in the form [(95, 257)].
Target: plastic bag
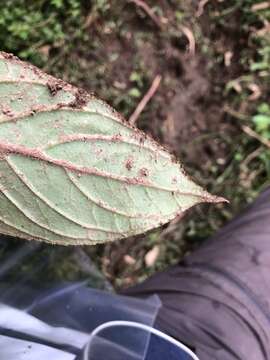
[(42, 317)]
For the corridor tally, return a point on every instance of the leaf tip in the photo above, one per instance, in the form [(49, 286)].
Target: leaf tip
[(217, 199)]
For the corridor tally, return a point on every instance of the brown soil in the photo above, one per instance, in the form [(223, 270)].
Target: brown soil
[(188, 107)]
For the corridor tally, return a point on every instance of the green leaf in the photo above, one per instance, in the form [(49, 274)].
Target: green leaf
[(72, 171), (264, 108), (262, 122)]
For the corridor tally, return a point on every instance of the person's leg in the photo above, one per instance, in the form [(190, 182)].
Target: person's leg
[(218, 299)]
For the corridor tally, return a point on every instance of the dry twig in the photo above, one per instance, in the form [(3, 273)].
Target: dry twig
[(261, 6), (235, 113), (228, 58), (148, 11), (147, 97), (201, 7), (253, 155), (255, 92), (246, 128), (151, 256), (265, 30), (191, 39), (255, 135)]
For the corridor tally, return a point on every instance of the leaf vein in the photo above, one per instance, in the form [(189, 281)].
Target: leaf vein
[(100, 137), (52, 206), (7, 148), (101, 204), (31, 218)]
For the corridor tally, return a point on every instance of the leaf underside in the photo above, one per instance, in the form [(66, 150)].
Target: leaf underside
[(72, 171)]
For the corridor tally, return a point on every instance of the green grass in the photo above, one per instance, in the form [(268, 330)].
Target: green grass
[(33, 28)]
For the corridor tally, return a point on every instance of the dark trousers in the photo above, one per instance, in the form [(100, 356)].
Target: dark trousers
[(217, 300)]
